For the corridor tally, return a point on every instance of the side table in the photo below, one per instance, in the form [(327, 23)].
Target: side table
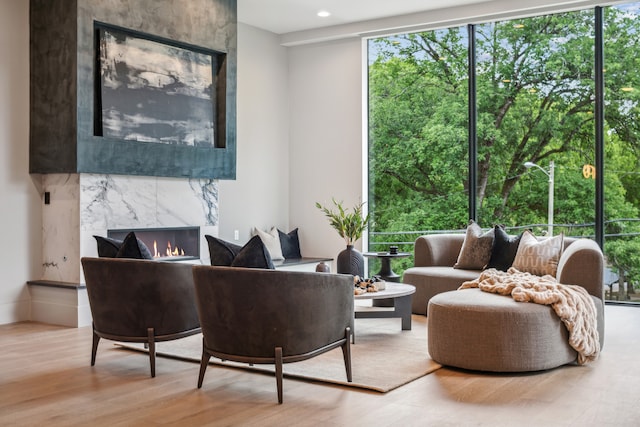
[(385, 258)]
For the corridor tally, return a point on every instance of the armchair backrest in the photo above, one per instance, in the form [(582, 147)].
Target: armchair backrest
[(127, 296), (248, 312)]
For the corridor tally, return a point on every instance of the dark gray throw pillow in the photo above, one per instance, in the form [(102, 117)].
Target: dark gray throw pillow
[(504, 249), (108, 247), (132, 247), (221, 253), (254, 254), (290, 244)]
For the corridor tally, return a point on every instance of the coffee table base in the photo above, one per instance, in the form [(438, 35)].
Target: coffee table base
[(401, 308)]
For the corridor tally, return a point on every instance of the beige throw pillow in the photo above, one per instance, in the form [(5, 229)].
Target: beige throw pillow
[(271, 241), (538, 257), (476, 248)]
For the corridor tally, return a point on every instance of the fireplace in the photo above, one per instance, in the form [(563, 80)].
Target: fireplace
[(168, 243)]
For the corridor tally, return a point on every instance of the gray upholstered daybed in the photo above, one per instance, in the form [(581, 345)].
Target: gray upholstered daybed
[(477, 330)]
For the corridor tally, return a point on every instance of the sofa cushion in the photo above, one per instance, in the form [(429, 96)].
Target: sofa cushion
[(132, 247), (538, 257), (476, 248), (290, 244), (504, 249), (253, 254), (221, 252), (107, 247), (271, 240)]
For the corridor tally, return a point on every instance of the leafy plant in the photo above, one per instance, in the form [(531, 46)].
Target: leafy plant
[(349, 225)]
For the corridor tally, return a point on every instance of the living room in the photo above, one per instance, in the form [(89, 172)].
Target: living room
[(300, 140)]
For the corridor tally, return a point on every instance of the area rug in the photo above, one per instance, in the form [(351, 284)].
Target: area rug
[(384, 357)]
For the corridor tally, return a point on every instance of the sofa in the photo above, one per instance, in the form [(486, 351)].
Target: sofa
[(436, 254), (486, 331)]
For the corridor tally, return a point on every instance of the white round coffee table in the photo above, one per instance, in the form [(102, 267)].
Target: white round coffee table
[(398, 293)]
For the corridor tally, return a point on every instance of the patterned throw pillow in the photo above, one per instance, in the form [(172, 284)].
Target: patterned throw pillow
[(539, 257), (476, 248)]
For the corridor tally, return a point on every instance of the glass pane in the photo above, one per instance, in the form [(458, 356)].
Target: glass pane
[(535, 123), (418, 137), (622, 151)]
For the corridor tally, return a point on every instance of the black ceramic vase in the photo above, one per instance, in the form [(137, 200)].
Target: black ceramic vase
[(350, 261)]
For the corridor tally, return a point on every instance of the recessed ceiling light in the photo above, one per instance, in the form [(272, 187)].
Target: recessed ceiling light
[(323, 14)]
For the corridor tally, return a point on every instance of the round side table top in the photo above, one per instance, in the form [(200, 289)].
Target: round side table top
[(387, 254), (392, 290)]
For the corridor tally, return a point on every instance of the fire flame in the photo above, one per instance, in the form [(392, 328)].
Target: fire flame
[(168, 252)]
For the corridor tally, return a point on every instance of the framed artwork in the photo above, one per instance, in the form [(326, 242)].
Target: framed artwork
[(155, 91)]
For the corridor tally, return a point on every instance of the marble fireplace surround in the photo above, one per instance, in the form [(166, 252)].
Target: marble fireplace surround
[(83, 205)]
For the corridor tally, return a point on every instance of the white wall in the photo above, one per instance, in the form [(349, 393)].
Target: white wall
[(20, 202), (325, 84), (299, 138), (259, 197)]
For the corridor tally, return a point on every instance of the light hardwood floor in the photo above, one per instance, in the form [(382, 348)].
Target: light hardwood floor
[(46, 380)]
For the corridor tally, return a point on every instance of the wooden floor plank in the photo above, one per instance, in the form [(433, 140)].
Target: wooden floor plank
[(46, 379)]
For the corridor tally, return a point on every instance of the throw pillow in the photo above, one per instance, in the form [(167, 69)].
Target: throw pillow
[(132, 247), (107, 247), (272, 241), (538, 257), (504, 249), (253, 255), (476, 248), (221, 252), (290, 244)]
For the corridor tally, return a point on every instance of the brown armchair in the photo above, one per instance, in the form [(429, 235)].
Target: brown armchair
[(259, 316), (140, 301)]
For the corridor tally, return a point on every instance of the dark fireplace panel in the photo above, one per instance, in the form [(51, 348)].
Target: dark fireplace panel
[(168, 244)]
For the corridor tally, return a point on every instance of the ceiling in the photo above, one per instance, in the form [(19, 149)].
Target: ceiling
[(285, 16)]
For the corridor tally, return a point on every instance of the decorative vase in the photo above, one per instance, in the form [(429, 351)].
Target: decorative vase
[(350, 261)]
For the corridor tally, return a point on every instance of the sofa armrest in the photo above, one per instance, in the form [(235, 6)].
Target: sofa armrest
[(582, 263), (437, 249)]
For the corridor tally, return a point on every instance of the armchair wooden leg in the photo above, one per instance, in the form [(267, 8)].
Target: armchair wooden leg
[(279, 372), (94, 347), (152, 351), (346, 353), (204, 362)]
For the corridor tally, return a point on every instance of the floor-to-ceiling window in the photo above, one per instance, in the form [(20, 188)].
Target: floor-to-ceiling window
[(534, 124), (622, 149), (418, 135)]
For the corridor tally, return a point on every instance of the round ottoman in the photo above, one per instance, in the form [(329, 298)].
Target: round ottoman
[(477, 330)]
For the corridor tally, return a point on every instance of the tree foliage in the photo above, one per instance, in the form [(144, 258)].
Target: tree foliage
[(535, 96)]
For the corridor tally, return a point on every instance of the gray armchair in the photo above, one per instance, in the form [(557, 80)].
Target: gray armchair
[(140, 301), (259, 316)]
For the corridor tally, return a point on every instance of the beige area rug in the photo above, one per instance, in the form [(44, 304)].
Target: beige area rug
[(383, 357)]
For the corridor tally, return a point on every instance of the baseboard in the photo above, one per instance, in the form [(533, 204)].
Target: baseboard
[(59, 304), (14, 312)]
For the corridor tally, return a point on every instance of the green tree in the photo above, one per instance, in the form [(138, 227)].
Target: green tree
[(535, 102)]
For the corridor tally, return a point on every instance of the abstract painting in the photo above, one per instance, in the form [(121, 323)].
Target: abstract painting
[(155, 92)]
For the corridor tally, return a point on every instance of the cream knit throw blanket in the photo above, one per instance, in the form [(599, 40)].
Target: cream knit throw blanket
[(572, 304)]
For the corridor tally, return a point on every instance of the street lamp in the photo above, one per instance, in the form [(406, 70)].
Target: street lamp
[(550, 175)]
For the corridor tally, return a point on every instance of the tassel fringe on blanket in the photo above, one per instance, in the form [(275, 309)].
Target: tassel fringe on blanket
[(571, 303)]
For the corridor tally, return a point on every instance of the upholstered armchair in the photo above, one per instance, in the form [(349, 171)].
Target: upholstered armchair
[(140, 301), (260, 316)]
